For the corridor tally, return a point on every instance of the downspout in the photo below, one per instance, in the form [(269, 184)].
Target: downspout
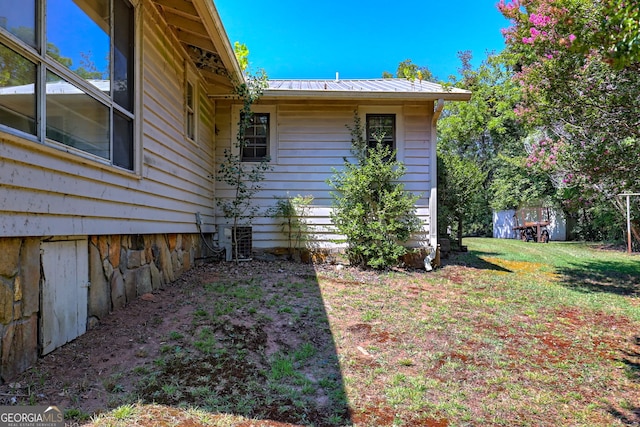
[(433, 197)]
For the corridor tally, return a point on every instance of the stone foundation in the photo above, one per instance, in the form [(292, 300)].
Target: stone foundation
[(121, 268)]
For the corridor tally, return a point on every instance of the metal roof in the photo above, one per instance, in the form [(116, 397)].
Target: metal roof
[(366, 88)]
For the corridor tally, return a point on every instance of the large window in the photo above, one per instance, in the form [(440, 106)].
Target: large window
[(256, 138), (68, 78)]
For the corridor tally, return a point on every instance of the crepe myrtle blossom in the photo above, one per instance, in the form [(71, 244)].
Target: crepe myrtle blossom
[(543, 154), (512, 5), (539, 20)]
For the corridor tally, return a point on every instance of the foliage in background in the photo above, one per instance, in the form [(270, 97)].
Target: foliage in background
[(16, 71), (242, 177), (581, 88), (370, 206), (459, 191), (514, 184), (620, 33), (553, 118), (242, 54), (410, 71), (482, 138), (293, 211)]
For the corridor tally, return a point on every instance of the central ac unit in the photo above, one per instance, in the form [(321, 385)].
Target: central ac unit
[(244, 238)]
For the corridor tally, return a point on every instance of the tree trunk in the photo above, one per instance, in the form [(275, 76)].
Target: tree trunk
[(460, 232)]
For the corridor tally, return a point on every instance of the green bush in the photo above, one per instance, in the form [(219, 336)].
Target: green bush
[(370, 207)]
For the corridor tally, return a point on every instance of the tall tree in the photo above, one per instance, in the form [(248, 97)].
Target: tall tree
[(487, 123), (242, 178)]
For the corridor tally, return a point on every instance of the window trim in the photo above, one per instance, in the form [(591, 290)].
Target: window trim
[(257, 138), (398, 111), (379, 115), (273, 134), (46, 63), (193, 110)]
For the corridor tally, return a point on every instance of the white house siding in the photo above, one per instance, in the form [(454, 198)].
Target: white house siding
[(135, 230), (46, 191), (312, 138)]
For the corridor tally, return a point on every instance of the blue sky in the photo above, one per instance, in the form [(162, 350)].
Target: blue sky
[(314, 40)]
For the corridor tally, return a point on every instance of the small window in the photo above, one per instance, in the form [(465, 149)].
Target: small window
[(190, 112), (381, 127), (256, 138)]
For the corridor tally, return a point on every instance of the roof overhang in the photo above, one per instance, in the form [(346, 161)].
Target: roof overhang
[(370, 89), (198, 27), (338, 95)]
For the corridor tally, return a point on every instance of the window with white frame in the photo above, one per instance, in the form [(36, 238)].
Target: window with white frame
[(255, 147), (394, 125), (190, 111), (260, 139), (67, 75), (381, 127)]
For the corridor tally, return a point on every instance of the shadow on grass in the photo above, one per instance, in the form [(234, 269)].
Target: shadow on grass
[(627, 420), (259, 346), (631, 361), (473, 259), (602, 276)]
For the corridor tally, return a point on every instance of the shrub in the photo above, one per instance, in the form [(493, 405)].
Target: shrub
[(370, 207)]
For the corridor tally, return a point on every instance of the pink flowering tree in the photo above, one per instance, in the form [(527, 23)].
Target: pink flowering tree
[(580, 94)]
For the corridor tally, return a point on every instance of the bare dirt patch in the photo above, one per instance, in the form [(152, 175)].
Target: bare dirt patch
[(207, 340)]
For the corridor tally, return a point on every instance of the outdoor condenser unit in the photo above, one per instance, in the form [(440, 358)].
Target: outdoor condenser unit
[(245, 241)]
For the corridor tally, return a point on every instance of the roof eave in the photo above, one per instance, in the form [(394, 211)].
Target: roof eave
[(212, 21)]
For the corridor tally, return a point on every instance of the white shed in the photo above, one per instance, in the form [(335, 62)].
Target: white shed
[(505, 220)]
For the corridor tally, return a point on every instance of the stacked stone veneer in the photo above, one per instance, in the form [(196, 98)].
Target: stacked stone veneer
[(121, 268), (19, 304)]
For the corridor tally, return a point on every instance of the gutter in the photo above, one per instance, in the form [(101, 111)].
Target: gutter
[(433, 195), (438, 111)]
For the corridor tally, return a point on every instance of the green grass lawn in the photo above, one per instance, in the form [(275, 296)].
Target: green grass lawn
[(580, 273), (507, 334), (511, 333)]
